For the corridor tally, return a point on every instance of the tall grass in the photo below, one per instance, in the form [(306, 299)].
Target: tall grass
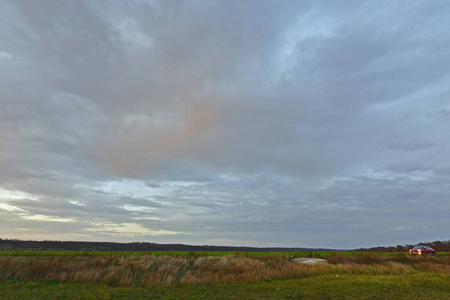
[(151, 270)]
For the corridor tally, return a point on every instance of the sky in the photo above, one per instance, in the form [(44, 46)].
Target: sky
[(242, 123)]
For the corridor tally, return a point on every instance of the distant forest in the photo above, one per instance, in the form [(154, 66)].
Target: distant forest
[(439, 246), (13, 244), (8, 244)]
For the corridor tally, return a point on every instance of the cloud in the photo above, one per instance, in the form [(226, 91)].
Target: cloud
[(127, 229), (294, 123), (145, 139)]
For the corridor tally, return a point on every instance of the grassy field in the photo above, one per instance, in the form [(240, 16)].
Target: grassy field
[(105, 275), (319, 254), (413, 286)]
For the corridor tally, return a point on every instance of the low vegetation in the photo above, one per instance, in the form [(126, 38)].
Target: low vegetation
[(328, 286), (318, 254), (153, 270), (199, 275)]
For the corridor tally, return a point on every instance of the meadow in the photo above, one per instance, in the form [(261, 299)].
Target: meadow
[(221, 275)]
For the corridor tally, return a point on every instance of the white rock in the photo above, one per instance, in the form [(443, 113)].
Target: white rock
[(310, 261)]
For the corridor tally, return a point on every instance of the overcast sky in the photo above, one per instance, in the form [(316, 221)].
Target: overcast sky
[(256, 123)]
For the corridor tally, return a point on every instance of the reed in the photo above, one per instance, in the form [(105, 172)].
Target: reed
[(152, 270)]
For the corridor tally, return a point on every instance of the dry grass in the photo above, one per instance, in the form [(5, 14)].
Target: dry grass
[(150, 270)]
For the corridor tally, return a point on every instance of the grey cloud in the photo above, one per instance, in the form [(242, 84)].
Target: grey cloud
[(225, 121)]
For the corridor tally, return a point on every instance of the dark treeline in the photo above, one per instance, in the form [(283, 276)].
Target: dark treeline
[(7, 244), (439, 246), (14, 244)]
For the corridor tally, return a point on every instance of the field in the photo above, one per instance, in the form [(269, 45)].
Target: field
[(221, 275)]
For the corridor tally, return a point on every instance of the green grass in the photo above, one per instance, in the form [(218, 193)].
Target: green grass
[(157, 253), (320, 254), (227, 275), (330, 286)]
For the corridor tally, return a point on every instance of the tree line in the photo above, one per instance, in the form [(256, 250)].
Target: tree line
[(15, 244), (439, 246)]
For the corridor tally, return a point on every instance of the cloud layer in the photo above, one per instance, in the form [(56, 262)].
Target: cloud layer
[(300, 123)]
